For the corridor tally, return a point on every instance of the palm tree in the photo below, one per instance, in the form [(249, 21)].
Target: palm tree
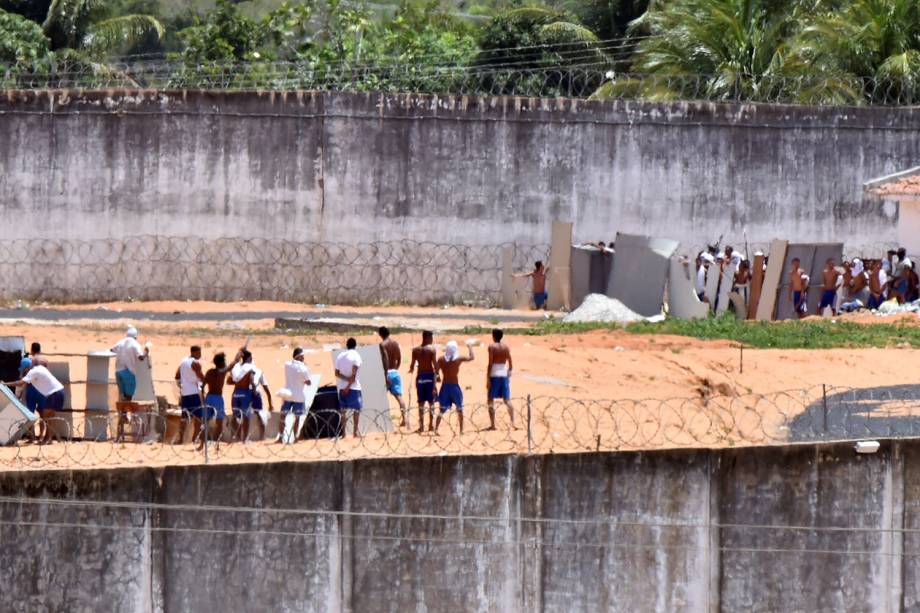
[(709, 49), (80, 25), (869, 48)]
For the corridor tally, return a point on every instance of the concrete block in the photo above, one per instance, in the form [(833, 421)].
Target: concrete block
[(771, 281), (757, 274), (682, 299), (560, 258), (15, 418), (640, 271)]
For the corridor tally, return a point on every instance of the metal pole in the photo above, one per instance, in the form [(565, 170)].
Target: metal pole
[(824, 404), (204, 424), (529, 430)]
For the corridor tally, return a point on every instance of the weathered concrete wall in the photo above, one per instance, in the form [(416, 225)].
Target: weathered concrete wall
[(364, 167), (802, 528)]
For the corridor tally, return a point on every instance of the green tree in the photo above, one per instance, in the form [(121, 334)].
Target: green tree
[(21, 40), (866, 50), (713, 49), (538, 51), (86, 28)]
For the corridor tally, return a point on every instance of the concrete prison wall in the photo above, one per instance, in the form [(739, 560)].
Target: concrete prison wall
[(798, 528), (316, 178)]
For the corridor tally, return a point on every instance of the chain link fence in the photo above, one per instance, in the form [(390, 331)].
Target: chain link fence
[(591, 77), (543, 424), (228, 269)]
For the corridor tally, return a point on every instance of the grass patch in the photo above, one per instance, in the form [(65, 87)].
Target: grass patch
[(808, 334)]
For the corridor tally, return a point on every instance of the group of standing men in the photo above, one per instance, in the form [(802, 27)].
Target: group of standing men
[(445, 370)]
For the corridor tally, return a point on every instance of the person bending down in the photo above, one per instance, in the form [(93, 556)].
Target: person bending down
[(451, 394), (52, 392)]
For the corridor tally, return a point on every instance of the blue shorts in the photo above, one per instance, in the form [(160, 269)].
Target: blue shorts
[(798, 302), (298, 408), (394, 382), (875, 302), (242, 403), (127, 382), (352, 400), (451, 394), (424, 387), (539, 299), (35, 402), (190, 404), (901, 286), (53, 402), (499, 387), (256, 400), (828, 298), (215, 407)]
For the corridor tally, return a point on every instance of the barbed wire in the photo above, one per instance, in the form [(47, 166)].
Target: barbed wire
[(159, 268), (546, 424), (579, 72)]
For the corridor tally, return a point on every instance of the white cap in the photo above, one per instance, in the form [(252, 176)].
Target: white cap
[(132, 332), (450, 351)]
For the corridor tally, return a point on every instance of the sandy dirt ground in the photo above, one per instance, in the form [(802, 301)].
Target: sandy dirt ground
[(598, 390)]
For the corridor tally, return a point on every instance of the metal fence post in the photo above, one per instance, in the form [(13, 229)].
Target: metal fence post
[(529, 430), (204, 424)]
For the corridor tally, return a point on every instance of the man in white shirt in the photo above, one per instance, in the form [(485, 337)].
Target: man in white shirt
[(347, 365), (189, 377), (246, 379), (296, 376), (52, 392), (128, 353)]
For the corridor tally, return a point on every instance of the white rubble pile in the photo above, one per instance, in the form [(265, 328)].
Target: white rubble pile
[(597, 307), (891, 307)]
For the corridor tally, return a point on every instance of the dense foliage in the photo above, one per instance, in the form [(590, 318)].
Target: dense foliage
[(823, 51)]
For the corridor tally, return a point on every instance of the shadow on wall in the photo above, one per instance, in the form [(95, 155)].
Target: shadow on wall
[(886, 412)]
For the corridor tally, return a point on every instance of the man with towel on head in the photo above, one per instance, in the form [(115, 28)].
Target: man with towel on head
[(392, 360), (296, 376), (128, 354), (451, 394)]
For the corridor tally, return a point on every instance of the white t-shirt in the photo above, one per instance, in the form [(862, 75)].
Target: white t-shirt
[(296, 376), (240, 370), (128, 353), (189, 383), (43, 381), (347, 361), (701, 279)]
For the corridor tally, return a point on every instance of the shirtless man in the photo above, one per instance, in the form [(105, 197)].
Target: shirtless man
[(831, 280), (798, 289), (189, 377), (878, 281), (498, 375), (214, 393), (426, 357), (246, 378), (538, 275), (392, 360), (451, 394)]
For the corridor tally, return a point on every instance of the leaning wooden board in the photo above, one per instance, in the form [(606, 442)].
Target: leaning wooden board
[(756, 286), (771, 281)]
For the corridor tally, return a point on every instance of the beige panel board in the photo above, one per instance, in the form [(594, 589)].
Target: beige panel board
[(725, 287), (144, 374), (640, 272), (62, 424), (15, 418), (683, 301), (375, 415), (739, 304), (560, 258), (711, 290), (771, 281)]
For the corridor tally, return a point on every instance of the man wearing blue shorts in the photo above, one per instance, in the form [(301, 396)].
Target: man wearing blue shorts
[(296, 378), (52, 393), (538, 281), (831, 280), (426, 357), (247, 397), (451, 394), (347, 365), (128, 354), (189, 377), (498, 377), (392, 360), (214, 407)]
